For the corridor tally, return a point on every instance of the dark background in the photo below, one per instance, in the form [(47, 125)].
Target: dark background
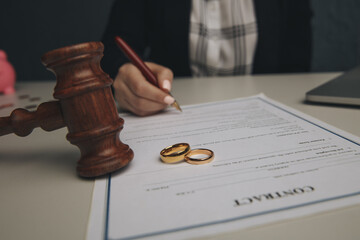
[(29, 28)]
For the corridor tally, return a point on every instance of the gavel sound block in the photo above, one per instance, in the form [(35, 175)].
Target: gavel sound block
[(85, 106)]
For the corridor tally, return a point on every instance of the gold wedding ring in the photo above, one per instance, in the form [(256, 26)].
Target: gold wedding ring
[(174, 153), (209, 156)]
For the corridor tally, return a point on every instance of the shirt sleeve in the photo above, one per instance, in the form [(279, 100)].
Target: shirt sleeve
[(127, 20)]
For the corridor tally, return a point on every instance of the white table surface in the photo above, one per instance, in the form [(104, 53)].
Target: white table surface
[(41, 197)]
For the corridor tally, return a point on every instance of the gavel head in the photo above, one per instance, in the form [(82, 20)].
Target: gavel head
[(88, 108)]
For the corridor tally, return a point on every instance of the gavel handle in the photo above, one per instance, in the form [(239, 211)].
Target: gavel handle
[(48, 116)]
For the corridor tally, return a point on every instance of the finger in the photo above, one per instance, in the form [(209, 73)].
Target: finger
[(144, 109), (131, 101), (138, 106), (163, 74), (141, 88)]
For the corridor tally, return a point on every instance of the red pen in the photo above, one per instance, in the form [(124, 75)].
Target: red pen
[(136, 60)]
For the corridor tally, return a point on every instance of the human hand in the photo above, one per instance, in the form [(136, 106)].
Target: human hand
[(134, 93)]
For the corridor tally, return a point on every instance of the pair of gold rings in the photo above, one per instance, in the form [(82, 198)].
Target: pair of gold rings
[(182, 151)]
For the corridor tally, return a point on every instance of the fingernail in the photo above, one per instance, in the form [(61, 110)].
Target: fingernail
[(169, 100), (166, 85)]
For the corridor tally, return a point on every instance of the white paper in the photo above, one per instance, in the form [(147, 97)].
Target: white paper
[(271, 163)]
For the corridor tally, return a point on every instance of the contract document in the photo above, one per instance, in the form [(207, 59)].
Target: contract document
[(271, 163)]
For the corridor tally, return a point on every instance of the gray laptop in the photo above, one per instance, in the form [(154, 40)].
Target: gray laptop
[(344, 89)]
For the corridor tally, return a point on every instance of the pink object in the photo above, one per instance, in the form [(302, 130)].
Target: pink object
[(7, 75)]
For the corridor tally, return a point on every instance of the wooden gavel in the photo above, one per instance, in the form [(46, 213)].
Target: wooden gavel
[(85, 106)]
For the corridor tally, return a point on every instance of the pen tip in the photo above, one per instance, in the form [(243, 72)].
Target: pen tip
[(176, 105)]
